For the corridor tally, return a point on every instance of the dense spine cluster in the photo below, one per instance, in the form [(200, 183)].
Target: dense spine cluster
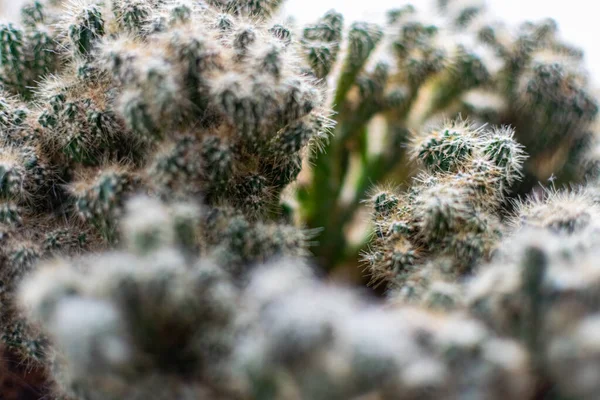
[(203, 105), (463, 63), (538, 287), (541, 287), (134, 308), (278, 332), (151, 245), (29, 50), (448, 220)]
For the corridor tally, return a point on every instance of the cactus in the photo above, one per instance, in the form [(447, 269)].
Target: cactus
[(169, 168), (146, 312), (450, 216), (465, 63), (91, 118), (29, 50)]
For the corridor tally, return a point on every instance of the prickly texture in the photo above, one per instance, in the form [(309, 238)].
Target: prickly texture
[(205, 105), (124, 320), (544, 93), (145, 244), (137, 307), (224, 130), (541, 286), (175, 281), (310, 340), (29, 49), (448, 220), (425, 69)]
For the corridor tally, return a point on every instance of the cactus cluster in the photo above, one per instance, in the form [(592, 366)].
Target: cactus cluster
[(29, 50), (533, 281), (147, 321), (206, 106), (312, 341), (168, 166), (463, 63), (118, 318), (448, 220), (540, 289), (152, 311)]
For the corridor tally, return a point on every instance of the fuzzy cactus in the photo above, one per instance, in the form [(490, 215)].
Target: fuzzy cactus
[(450, 215), (314, 341), (168, 168), (29, 50), (121, 320), (464, 63), (102, 101)]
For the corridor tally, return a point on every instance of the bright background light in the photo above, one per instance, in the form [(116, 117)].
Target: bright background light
[(578, 19)]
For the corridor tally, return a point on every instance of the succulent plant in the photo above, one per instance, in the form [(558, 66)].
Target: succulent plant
[(426, 70), (169, 167), (154, 98), (449, 220)]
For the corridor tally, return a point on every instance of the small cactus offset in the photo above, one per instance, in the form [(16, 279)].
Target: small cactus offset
[(448, 220), (183, 184)]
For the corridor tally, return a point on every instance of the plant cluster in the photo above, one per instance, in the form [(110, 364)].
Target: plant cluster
[(533, 281), (146, 321), (450, 216), (463, 62), (153, 320), (150, 246), (152, 97)]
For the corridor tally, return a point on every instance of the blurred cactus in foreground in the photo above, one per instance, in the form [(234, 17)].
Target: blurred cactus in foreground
[(152, 320), (167, 167), (147, 322)]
